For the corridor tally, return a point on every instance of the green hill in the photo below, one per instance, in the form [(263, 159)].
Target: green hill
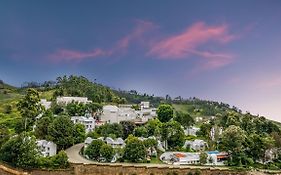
[(81, 86)]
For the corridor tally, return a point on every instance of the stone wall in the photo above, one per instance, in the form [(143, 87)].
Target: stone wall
[(124, 169)]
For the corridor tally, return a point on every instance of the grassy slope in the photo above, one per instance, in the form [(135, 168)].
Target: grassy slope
[(9, 95)]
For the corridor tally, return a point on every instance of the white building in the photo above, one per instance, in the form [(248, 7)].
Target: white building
[(114, 114), (45, 103), (117, 143), (196, 145), (47, 148), (180, 158), (215, 131), (144, 105), (191, 131), (67, 100), (187, 158), (88, 122)]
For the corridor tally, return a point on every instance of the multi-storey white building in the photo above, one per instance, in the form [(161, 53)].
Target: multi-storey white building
[(67, 100), (88, 122), (114, 114), (47, 148)]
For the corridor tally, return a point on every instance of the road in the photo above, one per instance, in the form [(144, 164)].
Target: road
[(75, 157)]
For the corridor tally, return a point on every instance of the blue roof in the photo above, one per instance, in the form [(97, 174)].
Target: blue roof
[(213, 152)]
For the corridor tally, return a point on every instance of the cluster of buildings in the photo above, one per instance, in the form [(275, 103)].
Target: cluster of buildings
[(140, 115), (188, 158), (116, 114)]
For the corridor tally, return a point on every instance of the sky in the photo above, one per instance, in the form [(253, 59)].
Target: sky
[(227, 51)]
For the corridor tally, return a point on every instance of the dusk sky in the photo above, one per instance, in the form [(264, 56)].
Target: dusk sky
[(220, 50)]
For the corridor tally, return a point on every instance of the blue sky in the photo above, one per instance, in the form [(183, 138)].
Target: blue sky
[(218, 50)]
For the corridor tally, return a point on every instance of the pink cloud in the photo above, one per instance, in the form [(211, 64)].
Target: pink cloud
[(182, 45), (136, 35), (214, 60), (65, 54), (120, 46)]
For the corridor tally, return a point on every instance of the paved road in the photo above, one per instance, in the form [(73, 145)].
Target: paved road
[(74, 156)]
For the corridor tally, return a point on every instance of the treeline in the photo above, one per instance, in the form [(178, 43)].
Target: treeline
[(135, 97), (251, 141), (205, 107), (82, 87)]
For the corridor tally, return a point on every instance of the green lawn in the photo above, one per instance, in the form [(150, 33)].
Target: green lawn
[(156, 160)]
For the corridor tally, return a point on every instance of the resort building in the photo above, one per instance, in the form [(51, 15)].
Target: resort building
[(47, 148), (197, 145), (87, 121), (67, 100), (114, 114)]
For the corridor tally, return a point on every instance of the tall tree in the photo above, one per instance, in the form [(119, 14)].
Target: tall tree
[(173, 134), (20, 151), (165, 112), (93, 150), (184, 119), (233, 141), (61, 131), (79, 133), (128, 128), (30, 108), (134, 150)]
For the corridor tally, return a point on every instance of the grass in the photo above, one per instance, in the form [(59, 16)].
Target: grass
[(156, 160), (47, 94)]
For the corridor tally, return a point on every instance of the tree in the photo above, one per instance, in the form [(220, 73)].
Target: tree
[(204, 131), (173, 134), (165, 112), (21, 151), (61, 131), (108, 129), (233, 140), (203, 158), (79, 133), (30, 108), (42, 125), (76, 109), (93, 150), (107, 152), (60, 160), (128, 128), (140, 131), (184, 119), (134, 150), (4, 134), (258, 145), (153, 126)]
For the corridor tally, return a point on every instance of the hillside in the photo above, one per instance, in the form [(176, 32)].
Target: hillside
[(81, 86)]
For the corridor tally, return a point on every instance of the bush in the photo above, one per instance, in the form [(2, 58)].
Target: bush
[(93, 150), (55, 162), (8, 109), (107, 152)]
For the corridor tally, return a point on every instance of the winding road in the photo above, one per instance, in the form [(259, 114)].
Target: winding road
[(75, 157)]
